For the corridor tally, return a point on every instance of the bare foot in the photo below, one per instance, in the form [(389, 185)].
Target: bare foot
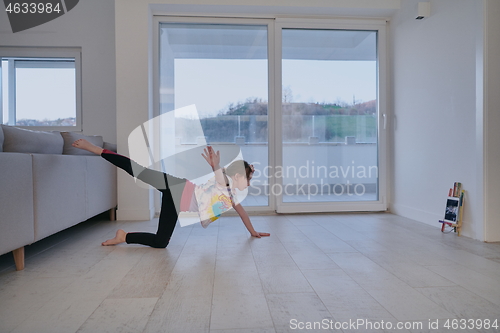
[(119, 238), (85, 145)]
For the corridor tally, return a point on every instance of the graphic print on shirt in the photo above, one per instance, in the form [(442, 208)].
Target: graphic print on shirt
[(219, 204)]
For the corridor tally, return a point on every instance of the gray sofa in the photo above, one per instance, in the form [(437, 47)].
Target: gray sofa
[(46, 186)]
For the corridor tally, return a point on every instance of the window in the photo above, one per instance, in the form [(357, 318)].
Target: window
[(223, 70), (326, 135), (40, 88)]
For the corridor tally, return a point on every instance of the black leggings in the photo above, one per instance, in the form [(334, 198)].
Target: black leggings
[(171, 189)]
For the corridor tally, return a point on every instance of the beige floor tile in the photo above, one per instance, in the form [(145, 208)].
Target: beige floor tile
[(220, 279), (309, 256), (293, 311), (185, 305), (325, 240), (414, 275), (245, 330), (239, 301), (148, 278), (461, 303), (24, 296), (120, 315), (405, 303), (69, 307), (344, 297), (468, 278)]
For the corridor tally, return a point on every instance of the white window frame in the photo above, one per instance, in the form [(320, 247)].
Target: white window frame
[(158, 19), (275, 26), (380, 26), (39, 55)]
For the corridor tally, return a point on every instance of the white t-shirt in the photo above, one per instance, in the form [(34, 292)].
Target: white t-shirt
[(213, 199)]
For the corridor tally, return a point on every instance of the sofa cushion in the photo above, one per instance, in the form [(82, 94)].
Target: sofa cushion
[(70, 137), (19, 140), (1, 139)]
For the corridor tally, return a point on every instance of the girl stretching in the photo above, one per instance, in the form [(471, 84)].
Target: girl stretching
[(210, 199)]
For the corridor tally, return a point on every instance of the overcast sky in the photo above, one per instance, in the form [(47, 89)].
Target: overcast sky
[(213, 84), (42, 93)]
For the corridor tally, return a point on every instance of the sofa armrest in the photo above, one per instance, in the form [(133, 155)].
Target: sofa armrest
[(100, 185)]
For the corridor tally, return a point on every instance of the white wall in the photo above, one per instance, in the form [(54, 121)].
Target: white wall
[(90, 26), (436, 139), (491, 101)]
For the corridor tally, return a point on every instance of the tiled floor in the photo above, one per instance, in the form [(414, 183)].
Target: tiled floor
[(315, 271)]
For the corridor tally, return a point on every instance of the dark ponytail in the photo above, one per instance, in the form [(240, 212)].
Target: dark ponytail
[(241, 167)]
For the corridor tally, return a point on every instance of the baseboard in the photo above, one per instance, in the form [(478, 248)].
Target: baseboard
[(416, 214)]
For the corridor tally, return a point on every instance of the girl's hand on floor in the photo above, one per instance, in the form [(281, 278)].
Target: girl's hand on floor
[(260, 234)]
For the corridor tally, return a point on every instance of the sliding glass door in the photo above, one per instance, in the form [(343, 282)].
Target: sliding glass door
[(329, 117), (220, 67), (303, 101)]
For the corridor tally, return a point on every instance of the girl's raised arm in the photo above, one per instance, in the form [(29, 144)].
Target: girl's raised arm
[(213, 159)]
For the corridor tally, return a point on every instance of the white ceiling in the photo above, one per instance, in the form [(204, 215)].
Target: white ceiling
[(273, 8), (212, 41)]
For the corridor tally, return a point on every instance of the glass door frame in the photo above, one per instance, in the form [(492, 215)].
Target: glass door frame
[(275, 146), (269, 22), (382, 107)]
